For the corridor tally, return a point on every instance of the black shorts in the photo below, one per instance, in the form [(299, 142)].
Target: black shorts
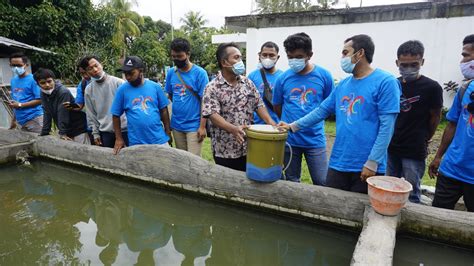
[(239, 164), (449, 191), (349, 181)]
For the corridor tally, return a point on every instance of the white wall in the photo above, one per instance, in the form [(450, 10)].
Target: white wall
[(6, 72), (442, 39)]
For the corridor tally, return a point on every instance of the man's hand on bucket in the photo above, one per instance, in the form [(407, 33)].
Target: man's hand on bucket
[(283, 125), (239, 133)]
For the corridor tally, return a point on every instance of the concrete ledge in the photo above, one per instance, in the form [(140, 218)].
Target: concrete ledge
[(377, 240), (441, 224), (8, 153), (181, 170)]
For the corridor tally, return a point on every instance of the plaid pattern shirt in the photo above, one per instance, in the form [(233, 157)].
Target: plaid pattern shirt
[(236, 104)]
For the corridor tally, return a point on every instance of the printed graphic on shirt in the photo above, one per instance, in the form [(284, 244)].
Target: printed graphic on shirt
[(141, 103), (302, 95), (351, 105), (469, 121), (405, 104), (18, 90)]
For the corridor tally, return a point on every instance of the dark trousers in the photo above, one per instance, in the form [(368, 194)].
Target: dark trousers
[(449, 191), (239, 164), (108, 139), (349, 181)]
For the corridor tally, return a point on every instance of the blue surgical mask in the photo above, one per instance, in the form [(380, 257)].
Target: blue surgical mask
[(297, 64), (347, 65), (238, 68), (18, 70)]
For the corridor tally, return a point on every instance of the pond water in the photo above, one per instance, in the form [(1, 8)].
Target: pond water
[(54, 214)]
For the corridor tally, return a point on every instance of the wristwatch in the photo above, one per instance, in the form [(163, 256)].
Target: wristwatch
[(19, 105)]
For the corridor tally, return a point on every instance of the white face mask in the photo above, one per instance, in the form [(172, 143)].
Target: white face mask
[(268, 63), (467, 69), (48, 92), (98, 78)]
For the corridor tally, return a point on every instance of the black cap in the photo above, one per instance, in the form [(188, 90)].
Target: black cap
[(132, 62)]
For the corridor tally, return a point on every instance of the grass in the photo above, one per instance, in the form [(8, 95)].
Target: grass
[(330, 129)]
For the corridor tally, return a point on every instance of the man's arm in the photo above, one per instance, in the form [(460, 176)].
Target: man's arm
[(13, 122), (92, 120), (435, 118), (326, 108), (165, 118), (119, 142), (277, 109), (46, 123), (377, 154), (32, 103), (237, 131), (265, 116), (201, 134), (63, 115), (446, 140)]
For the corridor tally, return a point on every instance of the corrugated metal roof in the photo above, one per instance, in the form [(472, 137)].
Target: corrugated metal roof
[(13, 43)]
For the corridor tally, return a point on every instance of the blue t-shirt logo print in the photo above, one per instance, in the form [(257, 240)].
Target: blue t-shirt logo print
[(348, 105), (469, 121), (302, 95), (141, 103)]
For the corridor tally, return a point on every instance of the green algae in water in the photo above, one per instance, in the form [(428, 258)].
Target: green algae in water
[(51, 214)]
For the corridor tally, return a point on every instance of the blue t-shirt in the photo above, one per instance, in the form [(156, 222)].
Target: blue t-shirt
[(458, 161), (186, 113), (24, 90), (357, 104), (80, 93), (142, 107), (256, 77), (299, 95)]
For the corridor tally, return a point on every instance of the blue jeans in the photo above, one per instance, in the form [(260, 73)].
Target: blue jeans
[(412, 170), (316, 159)]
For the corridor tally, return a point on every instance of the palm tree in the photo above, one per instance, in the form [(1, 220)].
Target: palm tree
[(193, 20), (126, 23), (278, 6)]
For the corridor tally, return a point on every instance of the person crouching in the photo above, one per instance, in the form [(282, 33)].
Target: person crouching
[(71, 125)]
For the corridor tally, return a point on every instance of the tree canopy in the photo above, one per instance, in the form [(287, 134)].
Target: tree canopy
[(110, 30), (281, 6)]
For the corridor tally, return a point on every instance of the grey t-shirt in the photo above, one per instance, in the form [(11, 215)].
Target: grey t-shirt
[(98, 100)]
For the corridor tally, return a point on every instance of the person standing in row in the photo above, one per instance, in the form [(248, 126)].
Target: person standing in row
[(420, 113), (26, 99), (99, 95), (145, 105), (185, 85), (229, 102), (297, 92), (264, 78), (366, 105), (455, 171)]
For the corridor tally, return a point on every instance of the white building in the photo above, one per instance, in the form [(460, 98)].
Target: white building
[(440, 26)]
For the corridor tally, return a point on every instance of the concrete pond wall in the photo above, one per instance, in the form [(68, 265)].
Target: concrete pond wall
[(180, 170)]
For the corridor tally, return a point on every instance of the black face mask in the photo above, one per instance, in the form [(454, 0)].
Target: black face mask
[(137, 82), (180, 63)]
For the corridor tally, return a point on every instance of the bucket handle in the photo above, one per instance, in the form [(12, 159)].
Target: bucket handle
[(291, 157)]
